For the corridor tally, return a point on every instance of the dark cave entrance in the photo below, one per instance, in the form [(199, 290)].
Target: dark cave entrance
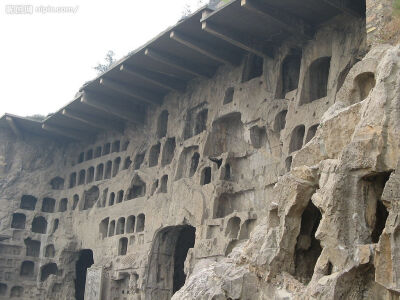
[(308, 248), (184, 243), (84, 262), (376, 212), (166, 274), (380, 223)]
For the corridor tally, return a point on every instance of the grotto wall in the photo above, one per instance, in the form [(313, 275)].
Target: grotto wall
[(275, 178), (351, 186)]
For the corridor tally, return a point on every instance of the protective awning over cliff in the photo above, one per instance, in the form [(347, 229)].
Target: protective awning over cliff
[(21, 126), (194, 48)]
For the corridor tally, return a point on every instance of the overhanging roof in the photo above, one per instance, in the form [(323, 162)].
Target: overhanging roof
[(20, 125), (194, 47)]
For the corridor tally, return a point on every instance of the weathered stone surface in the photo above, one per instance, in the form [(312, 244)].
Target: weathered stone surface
[(94, 282), (345, 183), (282, 186)]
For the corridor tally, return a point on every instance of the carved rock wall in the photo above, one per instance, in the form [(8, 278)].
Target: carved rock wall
[(274, 179)]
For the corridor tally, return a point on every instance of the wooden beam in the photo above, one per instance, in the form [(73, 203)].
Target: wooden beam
[(66, 132), (93, 121), (346, 6), (100, 103), (205, 14), (142, 96), (4, 237), (287, 22), (154, 78), (245, 42), (207, 50), (179, 64), (14, 127)]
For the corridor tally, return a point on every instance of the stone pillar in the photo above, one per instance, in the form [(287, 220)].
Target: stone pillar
[(94, 282), (379, 19)]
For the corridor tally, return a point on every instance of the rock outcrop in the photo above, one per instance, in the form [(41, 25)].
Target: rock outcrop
[(259, 162), (331, 231)]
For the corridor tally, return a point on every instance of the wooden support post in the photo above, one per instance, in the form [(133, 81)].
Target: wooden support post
[(247, 43), (141, 96), (66, 132), (93, 121), (207, 50), (287, 22), (99, 103), (178, 64), (14, 127), (154, 78)]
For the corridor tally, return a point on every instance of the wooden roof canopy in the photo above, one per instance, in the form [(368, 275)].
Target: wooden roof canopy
[(194, 47)]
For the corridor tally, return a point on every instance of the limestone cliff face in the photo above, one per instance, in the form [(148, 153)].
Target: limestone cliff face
[(275, 178), (333, 221)]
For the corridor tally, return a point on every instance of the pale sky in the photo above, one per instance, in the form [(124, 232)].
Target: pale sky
[(47, 57)]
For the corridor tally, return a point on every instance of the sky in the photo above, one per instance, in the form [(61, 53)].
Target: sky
[(49, 48)]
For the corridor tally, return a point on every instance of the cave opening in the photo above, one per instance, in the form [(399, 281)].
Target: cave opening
[(84, 262), (154, 155), (27, 269), (296, 140), (166, 270), (28, 202), (185, 242), (168, 152), (206, 176), (376, 212), (32, 247), (253, 67), (76, 201), (39, 225), (308, 248), (47, 270), (363, 85), (381, 217), (162, 124), (18, 221), (125, 145), (289, 75), (315, 85)]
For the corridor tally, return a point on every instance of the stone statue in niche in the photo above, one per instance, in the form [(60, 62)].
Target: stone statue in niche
[(134, 287)]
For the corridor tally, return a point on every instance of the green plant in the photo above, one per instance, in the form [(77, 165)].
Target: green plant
[(390, 32), (396, 7), (109, 61)]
